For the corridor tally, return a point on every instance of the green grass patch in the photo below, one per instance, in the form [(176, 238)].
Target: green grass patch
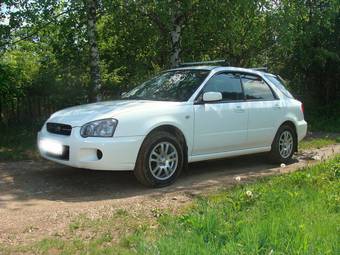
[(298, 213), (317, 143)]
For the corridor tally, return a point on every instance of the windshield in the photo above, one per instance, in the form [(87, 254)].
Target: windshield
[(169, 86)]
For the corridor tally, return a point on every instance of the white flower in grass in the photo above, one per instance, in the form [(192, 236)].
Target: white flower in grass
[(283, 165), (249, 193), (238, 178), (271, 252)]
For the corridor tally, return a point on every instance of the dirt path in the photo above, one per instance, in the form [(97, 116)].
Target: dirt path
[(39, 199)]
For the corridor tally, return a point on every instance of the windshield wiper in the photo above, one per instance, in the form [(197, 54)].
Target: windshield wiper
[(134, 98)]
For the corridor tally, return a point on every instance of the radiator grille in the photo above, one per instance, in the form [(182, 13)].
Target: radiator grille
[(57, 128)]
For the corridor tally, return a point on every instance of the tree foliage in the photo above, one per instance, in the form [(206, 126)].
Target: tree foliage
[(45, 52)]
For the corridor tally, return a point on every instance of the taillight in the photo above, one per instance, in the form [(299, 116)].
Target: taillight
[(302, 108)]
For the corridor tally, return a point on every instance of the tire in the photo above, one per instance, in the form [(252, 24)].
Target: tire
[(284, 145), (160, 160)]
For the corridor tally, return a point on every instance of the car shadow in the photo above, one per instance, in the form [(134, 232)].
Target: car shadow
[(27, 180)]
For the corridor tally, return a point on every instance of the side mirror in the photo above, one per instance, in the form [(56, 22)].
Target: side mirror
[(212, 96)]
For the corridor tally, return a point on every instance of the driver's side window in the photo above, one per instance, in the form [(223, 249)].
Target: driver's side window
[(228, 84)]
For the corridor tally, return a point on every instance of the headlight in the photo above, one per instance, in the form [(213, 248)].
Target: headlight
[(99, 128)]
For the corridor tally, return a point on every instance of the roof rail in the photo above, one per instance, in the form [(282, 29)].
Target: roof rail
[(261, 69), (223, 62)]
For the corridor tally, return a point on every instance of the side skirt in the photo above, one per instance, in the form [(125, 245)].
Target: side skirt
[(195, 158)]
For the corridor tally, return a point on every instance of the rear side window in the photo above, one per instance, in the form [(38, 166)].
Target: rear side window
[(279, 84), (256, 89), (228, 84)]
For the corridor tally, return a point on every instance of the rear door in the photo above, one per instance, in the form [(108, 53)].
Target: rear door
[(221, 126), (265, 110)]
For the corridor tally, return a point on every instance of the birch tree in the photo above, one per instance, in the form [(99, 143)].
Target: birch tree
[(170, 17), (177, 20), (91, 8)]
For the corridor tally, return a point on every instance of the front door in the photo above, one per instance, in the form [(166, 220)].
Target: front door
[(221, 126)]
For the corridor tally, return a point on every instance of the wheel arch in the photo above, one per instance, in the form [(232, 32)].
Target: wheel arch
[(174, 130), (291, 124)]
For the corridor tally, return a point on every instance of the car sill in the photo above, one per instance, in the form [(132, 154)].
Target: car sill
[(227, 154)]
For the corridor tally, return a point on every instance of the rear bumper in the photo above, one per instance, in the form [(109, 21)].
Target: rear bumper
[(301, 129), (118, 153)]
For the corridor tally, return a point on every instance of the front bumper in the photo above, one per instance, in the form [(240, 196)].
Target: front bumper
[(118, 153)]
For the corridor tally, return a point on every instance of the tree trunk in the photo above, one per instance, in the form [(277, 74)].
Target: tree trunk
[(175, 34), (94, 94)]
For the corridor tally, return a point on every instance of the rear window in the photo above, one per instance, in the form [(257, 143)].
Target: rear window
[(279, 83), (255, 88)]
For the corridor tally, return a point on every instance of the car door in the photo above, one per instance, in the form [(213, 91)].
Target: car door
[(265, 109), (221, 126)]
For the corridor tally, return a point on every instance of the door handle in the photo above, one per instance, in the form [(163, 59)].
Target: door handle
[(277, 106), (239, 108)]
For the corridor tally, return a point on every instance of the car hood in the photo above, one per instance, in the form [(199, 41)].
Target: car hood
[(79, 115)]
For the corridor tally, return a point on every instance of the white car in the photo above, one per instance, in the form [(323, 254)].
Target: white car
[(183, 115)]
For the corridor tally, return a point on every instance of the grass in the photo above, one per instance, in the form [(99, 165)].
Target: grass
[(296, 213), (318, 142)]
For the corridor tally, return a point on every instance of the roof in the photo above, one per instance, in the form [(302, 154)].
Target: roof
[(219, 68), (208, 68)]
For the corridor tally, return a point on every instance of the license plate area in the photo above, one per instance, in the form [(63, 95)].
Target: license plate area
[(65, 155)]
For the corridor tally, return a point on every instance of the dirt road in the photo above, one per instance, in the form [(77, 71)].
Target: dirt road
[(39, 199)]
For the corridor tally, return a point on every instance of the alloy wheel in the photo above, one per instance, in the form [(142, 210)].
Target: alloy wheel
[(286, 144), (163, 160)]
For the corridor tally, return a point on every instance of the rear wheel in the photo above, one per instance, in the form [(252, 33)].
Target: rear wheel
[(284, 145), (160, 160)]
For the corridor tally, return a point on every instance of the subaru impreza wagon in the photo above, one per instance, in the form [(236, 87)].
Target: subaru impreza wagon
[(183, 115)]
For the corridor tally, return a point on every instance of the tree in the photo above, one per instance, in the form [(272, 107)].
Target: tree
[(30, 20), (87, 50), (91, 8), (170, 17)]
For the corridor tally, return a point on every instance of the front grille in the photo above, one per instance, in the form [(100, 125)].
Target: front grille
[(64, 156), (57, 128)]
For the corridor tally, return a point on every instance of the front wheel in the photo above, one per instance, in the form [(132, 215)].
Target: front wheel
[(284, 145), (160, 160)]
